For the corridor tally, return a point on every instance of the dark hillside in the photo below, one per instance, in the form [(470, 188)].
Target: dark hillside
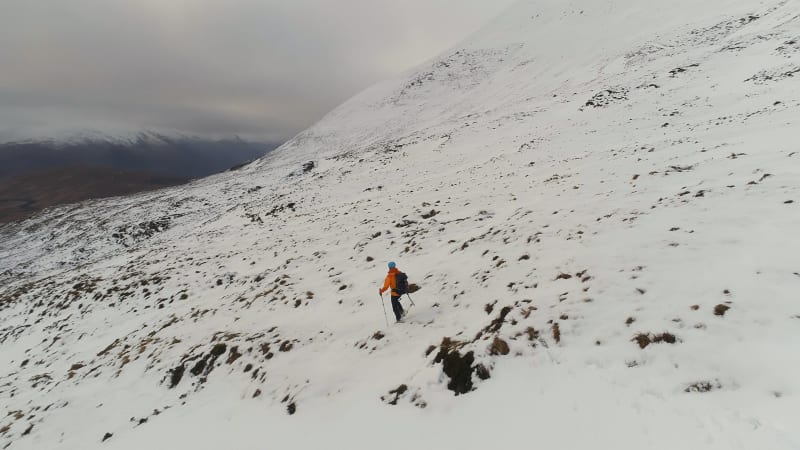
[(39, 174), (22, 196)]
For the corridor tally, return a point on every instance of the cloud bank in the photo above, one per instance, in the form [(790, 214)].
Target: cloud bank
[(259, 69)]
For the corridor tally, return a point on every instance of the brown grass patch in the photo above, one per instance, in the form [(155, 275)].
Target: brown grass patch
[(556, 332), (532, 333), (499, 347), (644, 339)]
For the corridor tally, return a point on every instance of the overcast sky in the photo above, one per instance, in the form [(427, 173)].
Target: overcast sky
[(260, 69)]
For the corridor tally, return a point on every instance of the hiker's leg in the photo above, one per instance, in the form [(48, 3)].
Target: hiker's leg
[(397, 308)]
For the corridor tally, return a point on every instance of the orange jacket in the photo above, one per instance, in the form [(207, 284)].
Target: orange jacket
[(391, 282)]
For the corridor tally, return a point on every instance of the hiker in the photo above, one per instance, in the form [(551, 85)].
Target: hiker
[(391, 282)]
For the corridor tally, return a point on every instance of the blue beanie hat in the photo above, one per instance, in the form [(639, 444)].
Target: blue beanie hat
[(392, 264)]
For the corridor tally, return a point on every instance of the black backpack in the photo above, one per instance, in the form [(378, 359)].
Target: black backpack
[(401, 280)]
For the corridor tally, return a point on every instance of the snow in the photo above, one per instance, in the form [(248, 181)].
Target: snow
[(660, 201)]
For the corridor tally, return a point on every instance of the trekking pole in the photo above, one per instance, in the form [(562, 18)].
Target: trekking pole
[(409, 297), (384, 311)]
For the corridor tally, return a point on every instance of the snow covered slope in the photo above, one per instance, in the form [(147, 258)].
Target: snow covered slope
[(597, 199)]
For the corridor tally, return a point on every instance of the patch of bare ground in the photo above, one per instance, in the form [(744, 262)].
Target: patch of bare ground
[(498, 347), (721, 309), (459, 368), (396, 392), (703, 386), (645, 339)]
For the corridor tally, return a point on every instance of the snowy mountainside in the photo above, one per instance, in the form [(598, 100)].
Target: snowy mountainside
[(598, 202)]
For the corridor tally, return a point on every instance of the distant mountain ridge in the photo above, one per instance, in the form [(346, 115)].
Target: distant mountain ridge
[(178, 156)]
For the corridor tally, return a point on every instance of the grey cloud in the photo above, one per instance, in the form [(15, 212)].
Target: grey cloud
[(259, 69)]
